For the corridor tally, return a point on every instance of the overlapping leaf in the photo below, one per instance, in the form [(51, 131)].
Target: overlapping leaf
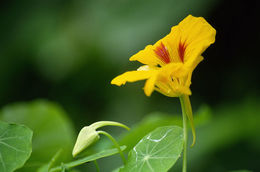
[(15, 146), (51, 127)]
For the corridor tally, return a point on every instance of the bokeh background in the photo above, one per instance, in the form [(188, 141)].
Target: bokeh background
[(67, 52)]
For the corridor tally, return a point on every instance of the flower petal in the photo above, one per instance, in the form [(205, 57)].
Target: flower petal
[(160, 53), (197, 35), (149, 85), (132, 76), (147, 56)]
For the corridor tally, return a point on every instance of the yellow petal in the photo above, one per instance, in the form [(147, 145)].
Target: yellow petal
[(172, 41), (132, 76), (160, 53), (149, 85), (144, 68), (174, 69), (197, 34), (147, 56)]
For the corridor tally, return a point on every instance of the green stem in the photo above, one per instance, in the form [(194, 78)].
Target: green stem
[(115, 143), (185, 134), (99, 124), (84, 160), (63, 167), (54, 158), (96, 164)]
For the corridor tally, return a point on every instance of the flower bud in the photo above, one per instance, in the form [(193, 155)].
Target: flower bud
[(89, 135)]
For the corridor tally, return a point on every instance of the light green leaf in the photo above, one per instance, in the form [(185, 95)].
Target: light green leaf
[(157, 151), (15, 146), (148, 124), (158, 119), (52, 130), (86, 159)]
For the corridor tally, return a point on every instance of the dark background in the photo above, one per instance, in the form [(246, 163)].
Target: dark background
[(69, 51)]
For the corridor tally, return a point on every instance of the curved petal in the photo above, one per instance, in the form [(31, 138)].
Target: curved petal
[(158, 54), (189, 39), (149, 85), (132, 76), (196, 34), (147, 56), (172, 41), (174, 69)]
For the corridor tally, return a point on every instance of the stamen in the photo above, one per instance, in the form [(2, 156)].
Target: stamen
[(163, 54)]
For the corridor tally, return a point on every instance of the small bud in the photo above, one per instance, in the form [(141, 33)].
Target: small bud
[(86, 137), (89, 135)]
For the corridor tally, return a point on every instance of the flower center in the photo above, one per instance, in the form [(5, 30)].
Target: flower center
[(162, 53), (181, 50)]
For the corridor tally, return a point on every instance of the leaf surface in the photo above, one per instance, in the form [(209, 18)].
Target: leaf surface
[(15, 146), (51, 127), (157, 151)]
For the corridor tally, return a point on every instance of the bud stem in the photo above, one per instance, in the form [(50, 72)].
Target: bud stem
[(115, 143)]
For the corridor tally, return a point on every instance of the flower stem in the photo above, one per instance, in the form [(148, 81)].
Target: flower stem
[(185, 133), (96, 164), (115, 143)]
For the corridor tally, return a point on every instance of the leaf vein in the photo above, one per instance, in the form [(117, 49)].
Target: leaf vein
[(12, 147)]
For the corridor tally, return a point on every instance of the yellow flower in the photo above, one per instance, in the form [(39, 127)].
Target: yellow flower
[(169, 63)]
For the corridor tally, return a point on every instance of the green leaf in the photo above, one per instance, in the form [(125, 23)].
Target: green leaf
[(158, 119), (86, 159), (15, 146), (148, 124), (52, 130), (157, 151)]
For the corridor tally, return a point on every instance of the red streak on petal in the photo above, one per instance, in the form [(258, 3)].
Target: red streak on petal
[(163, 53), (181, 50)]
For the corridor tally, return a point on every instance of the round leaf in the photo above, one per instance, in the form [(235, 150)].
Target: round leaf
[(15, 146), (157, 151), (52, 130)]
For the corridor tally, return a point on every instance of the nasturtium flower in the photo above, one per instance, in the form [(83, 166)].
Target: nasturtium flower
[(169, 63)]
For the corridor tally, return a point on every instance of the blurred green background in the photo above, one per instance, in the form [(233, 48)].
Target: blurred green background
[(69, 51)]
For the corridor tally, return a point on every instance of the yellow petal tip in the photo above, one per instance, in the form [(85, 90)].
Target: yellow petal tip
[(117, 82)]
